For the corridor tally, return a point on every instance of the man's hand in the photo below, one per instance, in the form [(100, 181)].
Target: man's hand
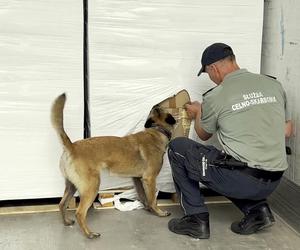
[(193, 110)]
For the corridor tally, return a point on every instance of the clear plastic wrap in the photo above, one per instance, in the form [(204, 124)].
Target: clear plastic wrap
[(141, 51), (40, 44)]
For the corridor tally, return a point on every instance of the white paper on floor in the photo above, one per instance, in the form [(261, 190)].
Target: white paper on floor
[(130, 204)]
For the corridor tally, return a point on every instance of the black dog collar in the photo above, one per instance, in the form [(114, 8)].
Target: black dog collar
[(167, 133)]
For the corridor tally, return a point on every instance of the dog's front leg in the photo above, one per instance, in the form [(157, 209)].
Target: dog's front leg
[(149, 184), (140, 191)]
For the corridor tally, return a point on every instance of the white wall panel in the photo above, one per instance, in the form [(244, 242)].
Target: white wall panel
[(280, 58), (143, 51), (40, 57)]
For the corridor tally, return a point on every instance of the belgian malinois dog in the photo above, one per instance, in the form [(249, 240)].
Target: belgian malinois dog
[(138, 155)]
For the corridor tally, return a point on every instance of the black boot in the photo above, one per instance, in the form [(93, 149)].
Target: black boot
[(195, 225), (257, 219)]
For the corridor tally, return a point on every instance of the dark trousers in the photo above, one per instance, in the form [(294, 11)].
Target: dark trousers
[(188, 161)]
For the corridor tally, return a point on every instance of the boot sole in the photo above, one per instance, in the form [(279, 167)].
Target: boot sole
[(189, 233), (267, 223)]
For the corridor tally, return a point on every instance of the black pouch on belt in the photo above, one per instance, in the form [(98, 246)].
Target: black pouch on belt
[(229, 162)]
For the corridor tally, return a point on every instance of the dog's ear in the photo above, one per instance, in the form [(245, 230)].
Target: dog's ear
[(149, 123), (170, 119), (156, 111)]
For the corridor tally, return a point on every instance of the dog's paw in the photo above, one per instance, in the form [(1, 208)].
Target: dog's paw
[(147, 208), (164, 214), (69, 222), (93, 235), (161, 213)]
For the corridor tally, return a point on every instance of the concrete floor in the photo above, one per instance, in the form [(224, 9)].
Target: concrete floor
[(137, 230)]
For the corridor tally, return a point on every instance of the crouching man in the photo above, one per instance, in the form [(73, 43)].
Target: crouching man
[(248, 113)]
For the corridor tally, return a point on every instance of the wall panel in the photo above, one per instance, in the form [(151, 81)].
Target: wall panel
[(40, 48)]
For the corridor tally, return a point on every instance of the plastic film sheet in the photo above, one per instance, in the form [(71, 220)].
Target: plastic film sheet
[(40, 47), (142, 52)]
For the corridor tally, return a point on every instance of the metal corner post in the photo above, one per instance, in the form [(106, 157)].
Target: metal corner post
[(86, 121)]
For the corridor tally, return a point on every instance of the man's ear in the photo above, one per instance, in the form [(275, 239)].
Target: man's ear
[(149, 123), (170, 119)]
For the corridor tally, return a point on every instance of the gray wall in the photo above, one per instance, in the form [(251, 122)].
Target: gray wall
[(281, 58)]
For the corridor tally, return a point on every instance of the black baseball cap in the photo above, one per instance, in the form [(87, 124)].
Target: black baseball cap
[(214, 53)]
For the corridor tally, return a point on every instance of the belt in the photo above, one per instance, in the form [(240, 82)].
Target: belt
[(262, 174), (231, 163)]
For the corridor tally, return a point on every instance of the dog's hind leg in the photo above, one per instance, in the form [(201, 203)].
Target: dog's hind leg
[(87, 196), (70, 190), (149, 184), (140, 191)]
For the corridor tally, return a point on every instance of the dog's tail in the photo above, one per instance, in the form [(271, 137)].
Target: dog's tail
[(57, 119)]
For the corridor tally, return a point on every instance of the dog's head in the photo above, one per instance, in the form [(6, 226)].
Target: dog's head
[(159, 117)]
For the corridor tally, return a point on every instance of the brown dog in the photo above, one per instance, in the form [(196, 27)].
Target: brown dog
[(137, 155)]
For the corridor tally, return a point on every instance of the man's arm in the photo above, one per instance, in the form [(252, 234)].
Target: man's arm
[(194, 112), (203, 135)]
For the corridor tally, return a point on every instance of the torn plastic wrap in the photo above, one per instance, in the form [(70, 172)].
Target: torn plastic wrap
[(40, 47), (130, 204), (142, 52)]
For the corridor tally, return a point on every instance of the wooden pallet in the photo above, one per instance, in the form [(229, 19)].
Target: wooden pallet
[(31, 209)]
